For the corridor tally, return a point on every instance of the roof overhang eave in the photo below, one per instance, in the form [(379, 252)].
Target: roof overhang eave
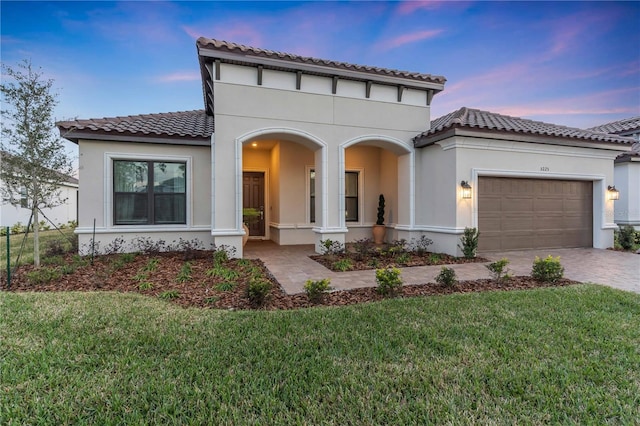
[(271, 63), (76, 136), (422, 141)]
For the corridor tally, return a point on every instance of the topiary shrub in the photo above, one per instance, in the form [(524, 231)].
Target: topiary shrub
[(389, 281), (469, 242), (548, 269), (447, 277), (626, 237)]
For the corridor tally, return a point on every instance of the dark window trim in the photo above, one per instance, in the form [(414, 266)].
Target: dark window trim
[(356, 197), (151, 195)]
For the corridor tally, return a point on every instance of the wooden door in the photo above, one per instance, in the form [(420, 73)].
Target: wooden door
[(253, 198)]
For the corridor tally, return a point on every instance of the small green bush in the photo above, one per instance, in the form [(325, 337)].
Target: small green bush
[(128, 257), (498, 269), (447, 277), (434, 258), (43, 275), (342, 265), (548, 269), (627, 237), (68, 269), (330, 247), (152, 265), (469, 242), (145, 285), (226, 286), (53, 260), (388, 280), (316, 289), (403, 258), (223, 272), (257, 290), (169, 295), (374, 262), (185, 273)]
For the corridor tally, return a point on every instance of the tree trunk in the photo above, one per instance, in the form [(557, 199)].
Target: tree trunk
[(36, 239)]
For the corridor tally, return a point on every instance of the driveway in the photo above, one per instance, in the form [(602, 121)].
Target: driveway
[(292, 267)]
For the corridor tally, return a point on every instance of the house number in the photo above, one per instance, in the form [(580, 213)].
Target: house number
[(544, 169)]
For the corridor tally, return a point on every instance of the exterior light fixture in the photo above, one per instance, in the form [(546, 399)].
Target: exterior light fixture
[(614, 194), (466, 189), (254, 144)]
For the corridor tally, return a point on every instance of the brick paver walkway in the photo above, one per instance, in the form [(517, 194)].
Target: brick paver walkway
[(292, 267)]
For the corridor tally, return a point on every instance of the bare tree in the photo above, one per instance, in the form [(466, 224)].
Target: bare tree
[(34, 163)]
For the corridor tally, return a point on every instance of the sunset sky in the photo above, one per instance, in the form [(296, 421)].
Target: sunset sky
[(570, 63)]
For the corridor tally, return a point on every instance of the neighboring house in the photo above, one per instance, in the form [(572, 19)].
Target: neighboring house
[(62, 214), (311, 144), (627, 171)]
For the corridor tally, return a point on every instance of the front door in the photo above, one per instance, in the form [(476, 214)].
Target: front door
[(253, 198)]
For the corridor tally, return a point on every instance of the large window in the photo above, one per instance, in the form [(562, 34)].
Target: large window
[(137, 202), (351, 202)]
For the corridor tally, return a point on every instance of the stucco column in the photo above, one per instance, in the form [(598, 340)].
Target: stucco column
[(226, 201), (329, 177)]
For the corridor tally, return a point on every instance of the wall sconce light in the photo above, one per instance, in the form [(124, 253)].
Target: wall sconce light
[(613, 193), (466, 189)]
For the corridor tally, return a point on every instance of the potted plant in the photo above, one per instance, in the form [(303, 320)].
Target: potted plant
[(249, 216), (379, 230)]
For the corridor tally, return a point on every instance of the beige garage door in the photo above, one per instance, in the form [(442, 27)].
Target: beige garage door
[(534, 213)]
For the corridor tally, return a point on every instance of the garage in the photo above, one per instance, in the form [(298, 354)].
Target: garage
[(518, 213)]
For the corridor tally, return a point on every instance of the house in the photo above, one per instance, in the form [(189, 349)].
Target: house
[(12, 214), (311, 143), (626, 172)]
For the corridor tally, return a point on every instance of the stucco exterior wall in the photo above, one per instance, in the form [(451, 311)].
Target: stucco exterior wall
[(443, 213), (324, 124), (96, 191), (627, 181)]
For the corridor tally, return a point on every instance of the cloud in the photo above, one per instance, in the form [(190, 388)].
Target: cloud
[(403, 39), (408, 7), (178, 76)]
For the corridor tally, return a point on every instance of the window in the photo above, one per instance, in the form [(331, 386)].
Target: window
[(24, 201), (350, 196), (136, 202)]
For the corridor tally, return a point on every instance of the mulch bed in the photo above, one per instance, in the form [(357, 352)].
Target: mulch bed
[(109, 273), (381, 260)]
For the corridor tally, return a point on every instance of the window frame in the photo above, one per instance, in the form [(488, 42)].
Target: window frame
[(109, 185), (359, 190)]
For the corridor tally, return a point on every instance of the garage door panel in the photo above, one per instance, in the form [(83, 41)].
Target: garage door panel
[(518, 213)]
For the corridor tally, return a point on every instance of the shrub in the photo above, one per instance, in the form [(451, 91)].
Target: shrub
[(257, 290), (388, 280), (395, 248), (498, 269), (17, 228), (316, 289), (189, 248), (403, 258), (469, 242), (380, 218), (626, 237), (55, 247), (43, 275), (447, 277), (363, 248), (342, 265), (115, 246), (434, 258), (128, 257), (147, 245), (222, 254), (330, 247), (421, 245), (374, 262), (548, 269), (53, 260)]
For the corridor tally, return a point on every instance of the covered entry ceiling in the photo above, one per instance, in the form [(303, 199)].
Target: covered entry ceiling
[(518, 213)]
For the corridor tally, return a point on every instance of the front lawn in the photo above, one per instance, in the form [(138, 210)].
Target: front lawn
[(554, 355)]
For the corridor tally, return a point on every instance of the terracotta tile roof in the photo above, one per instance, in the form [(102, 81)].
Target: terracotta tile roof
[(627, 125), (469, 118), (186, 125), (220, 45)]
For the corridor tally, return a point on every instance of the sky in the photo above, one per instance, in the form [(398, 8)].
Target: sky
[(570, 63)]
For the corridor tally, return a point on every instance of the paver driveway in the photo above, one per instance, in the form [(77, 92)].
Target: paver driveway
[(292, 266)]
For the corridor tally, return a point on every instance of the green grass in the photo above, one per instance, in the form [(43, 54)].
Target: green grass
[(15, 242), (555, 355)]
